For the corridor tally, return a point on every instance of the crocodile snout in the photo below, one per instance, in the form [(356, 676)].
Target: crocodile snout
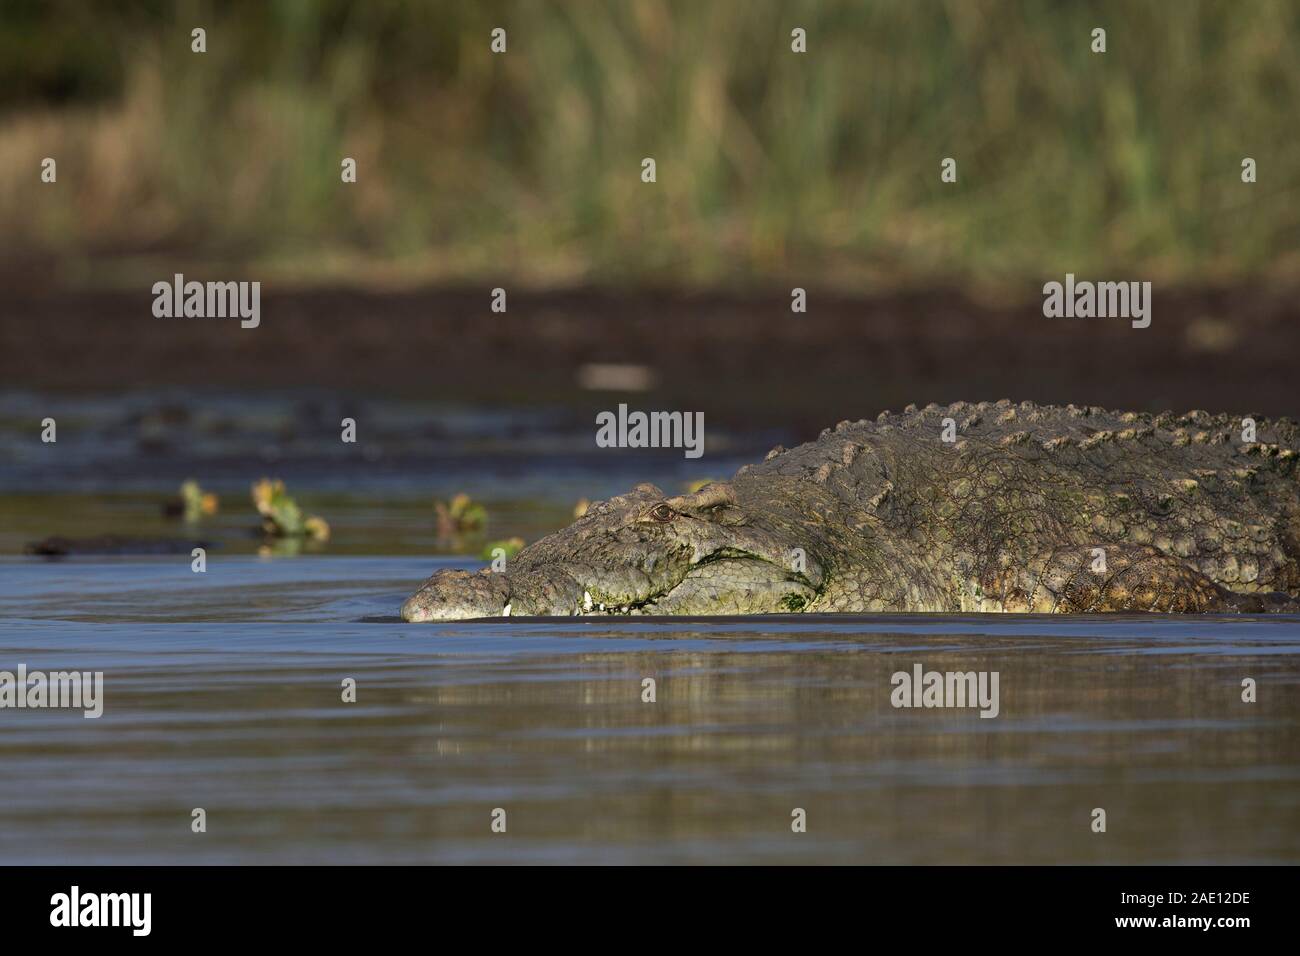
[(457, 596)]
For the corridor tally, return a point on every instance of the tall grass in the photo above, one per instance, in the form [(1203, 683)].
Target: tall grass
[(772, 166)]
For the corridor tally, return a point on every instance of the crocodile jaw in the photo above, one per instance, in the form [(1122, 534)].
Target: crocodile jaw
[(731, 585)]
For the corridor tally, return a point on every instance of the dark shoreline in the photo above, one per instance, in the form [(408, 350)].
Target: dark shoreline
[(742, 359)]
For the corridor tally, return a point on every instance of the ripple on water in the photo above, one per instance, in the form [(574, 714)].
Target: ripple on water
[(224, 691)]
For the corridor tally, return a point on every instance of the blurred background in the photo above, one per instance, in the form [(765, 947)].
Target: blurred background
[(774, 167), (522, 171)]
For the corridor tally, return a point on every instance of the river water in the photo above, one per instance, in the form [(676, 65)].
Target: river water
[(224, 691)]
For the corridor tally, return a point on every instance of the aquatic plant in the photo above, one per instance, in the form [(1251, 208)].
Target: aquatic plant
[(458, 515), (281, 515), (192, 503), (509, 546)]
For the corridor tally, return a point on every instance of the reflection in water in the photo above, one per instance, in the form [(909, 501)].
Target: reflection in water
[(225, 694)]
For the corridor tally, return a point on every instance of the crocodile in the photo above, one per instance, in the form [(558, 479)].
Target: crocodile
[(988, 507)]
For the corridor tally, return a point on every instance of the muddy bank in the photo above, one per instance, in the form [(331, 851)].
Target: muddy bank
[(740, 358)]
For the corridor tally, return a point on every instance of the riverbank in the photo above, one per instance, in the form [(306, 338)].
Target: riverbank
[(742, 359)]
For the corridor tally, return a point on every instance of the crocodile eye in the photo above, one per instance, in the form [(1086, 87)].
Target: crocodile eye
[(662, 512)]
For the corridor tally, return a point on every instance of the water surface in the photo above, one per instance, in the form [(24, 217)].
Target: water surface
[(223, 691)]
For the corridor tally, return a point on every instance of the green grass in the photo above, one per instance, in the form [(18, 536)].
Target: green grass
[(772, 166)]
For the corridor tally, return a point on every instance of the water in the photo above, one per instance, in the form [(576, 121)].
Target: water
[(223, 692)]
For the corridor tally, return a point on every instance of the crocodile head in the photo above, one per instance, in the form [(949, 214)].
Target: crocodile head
[(639, 553)]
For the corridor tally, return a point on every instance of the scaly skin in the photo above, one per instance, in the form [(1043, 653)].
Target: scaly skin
[(885, 516)]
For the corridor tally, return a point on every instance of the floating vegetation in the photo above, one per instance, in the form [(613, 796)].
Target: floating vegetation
[(509, 547), (281, 516), (192, 503), (460, 514), (317, 528)]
